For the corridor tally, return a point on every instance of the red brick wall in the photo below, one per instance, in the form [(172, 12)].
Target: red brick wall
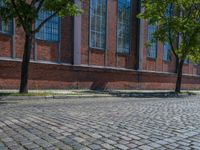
[(67, 36), (46, 51), (62, 76), (19, 37), (85, 34), (46, 76), (108, 57), (5, 45)]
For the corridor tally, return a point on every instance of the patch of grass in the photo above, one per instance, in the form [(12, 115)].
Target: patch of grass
[(39, 94), (188, 93), (26, 94)]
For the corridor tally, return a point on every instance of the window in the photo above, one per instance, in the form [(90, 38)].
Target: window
[(5, 27), (166, 52), (169, 11), (152, 49), (124, 26), (50, 31), (186, 61), (167, 46), (98, 13)]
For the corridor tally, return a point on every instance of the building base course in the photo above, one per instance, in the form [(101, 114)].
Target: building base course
[(63, 76)]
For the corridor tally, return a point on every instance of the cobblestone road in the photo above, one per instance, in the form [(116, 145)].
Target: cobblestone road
[(103, 123)]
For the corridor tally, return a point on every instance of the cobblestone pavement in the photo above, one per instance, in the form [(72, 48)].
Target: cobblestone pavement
[(103, 123)]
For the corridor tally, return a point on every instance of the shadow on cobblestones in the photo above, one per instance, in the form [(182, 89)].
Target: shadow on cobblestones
[(152, 94)]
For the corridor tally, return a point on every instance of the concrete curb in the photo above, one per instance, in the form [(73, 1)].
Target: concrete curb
[(106, 95), (152, 95), (5, 98)]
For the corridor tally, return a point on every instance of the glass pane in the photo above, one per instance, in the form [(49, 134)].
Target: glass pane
[(123, 26), (5, 27), (98, 12), (152, 50), (167, 52), (50, 31)]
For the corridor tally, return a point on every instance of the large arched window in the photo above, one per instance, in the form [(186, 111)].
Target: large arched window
[(124, 26), (98, 15), (51, 30)]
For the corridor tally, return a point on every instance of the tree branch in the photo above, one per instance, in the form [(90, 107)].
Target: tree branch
[(40, 6), (43, 22), (34, 2), (18, 14)]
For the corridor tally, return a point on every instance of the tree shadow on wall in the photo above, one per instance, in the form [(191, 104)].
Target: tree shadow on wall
[(98, 85)]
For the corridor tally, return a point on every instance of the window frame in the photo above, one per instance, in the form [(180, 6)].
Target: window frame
[(11, 22), (48, 40), (11, 32), (169, 52), (130, 29), (156, 43), (90, 23), (186, 61)]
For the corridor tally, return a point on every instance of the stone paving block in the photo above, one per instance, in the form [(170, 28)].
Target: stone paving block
[(31, 146), (121, 147), (78, 139), (154, 145), (107, 146), (123, 142), (85, 148), (95, 147), (162, 142), (102, 124), (63, 146), (110, 141), (131, 145), (145, 147), (134, 137), (125, 138)]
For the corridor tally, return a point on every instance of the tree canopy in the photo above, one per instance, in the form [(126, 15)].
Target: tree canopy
[(178, 23), (176, 19), (26, 12)]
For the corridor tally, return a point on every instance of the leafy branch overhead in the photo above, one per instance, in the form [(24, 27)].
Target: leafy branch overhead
[(178, 24), (175, 19), (26, 12)]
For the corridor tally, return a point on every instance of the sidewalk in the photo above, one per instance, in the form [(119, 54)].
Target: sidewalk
[(65, 94), (51, 94)]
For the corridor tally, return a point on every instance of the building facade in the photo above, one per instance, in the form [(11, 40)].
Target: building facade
[(103, 48)]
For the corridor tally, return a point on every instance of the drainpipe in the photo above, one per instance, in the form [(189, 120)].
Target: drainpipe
[(77, 36), (141, 40)]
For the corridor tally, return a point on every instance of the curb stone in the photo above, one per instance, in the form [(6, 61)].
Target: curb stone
[(109, 94), (5, 98), (151, 95)]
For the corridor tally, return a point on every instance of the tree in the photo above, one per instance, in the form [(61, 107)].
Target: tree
[(25, 13), (178, 23)]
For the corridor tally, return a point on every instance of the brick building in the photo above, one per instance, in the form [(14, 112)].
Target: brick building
[(102, 48)]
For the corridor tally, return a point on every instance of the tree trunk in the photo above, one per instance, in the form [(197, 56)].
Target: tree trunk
[(177, 64), (25, 64), (179, 76)]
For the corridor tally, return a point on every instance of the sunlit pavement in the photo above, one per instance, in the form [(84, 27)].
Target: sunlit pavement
[(101, 123)]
